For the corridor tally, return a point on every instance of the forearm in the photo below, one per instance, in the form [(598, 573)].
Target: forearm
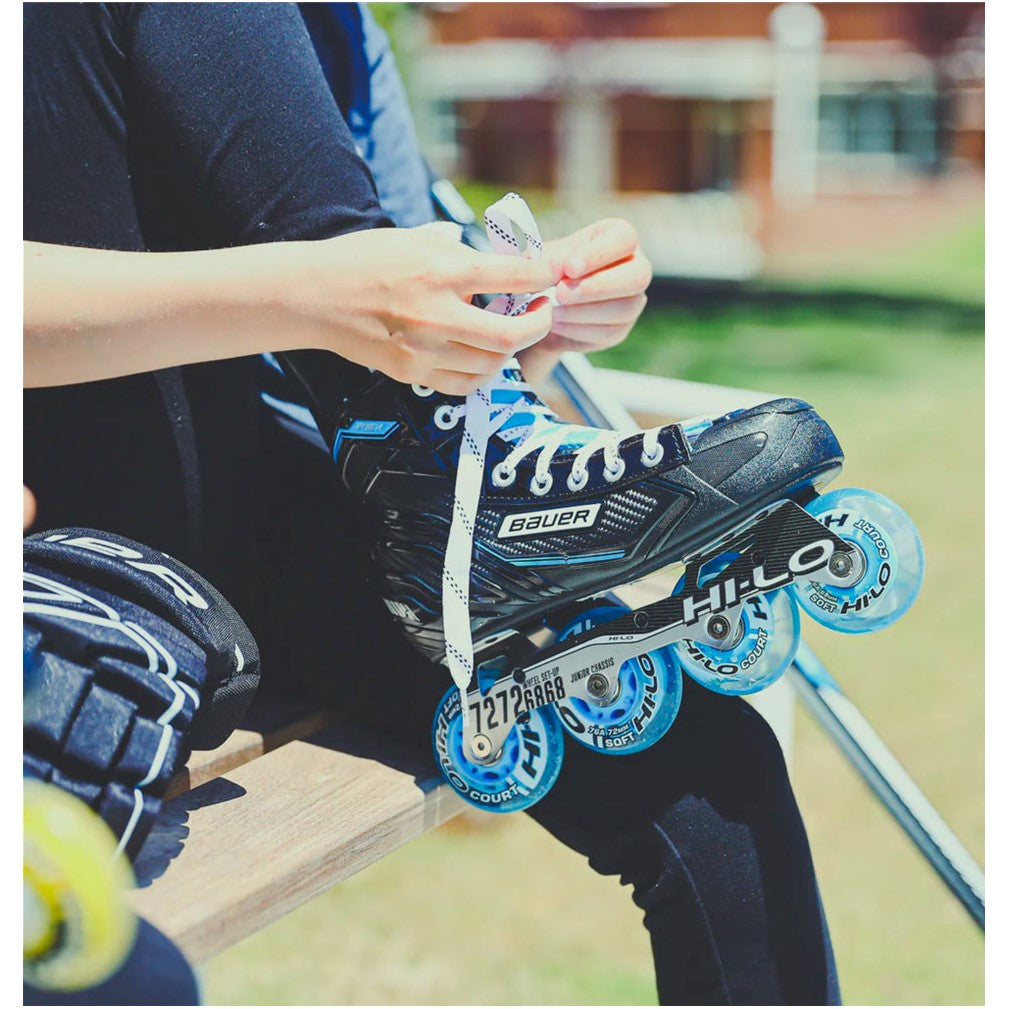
[(398, 300), (91, 314)]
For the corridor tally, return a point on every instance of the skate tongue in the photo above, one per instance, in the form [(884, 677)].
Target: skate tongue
[(535, 425)]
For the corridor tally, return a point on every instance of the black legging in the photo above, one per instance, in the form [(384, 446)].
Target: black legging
[(168, 126)]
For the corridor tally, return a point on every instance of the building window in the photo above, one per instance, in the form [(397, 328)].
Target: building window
[(444, 123), (889, 130)]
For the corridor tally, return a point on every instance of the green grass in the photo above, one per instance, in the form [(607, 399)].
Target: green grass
[(480, 195), (784, 348), (503, 914), (949, 263)]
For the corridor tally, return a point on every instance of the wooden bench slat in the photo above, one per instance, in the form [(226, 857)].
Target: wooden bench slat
[(280, 829), (270, 731)]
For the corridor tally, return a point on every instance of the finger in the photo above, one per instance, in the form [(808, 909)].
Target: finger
[(555, 344), (501, 333), (624, 280), (592, 337), (491, 274), (456, 383), (598, 246), (472, 360), (561, 344), (616, 310)]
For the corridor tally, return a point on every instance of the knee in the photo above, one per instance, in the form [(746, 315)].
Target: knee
[(723, 752)]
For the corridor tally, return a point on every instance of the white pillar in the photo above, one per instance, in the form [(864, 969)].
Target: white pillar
[(586, 145), (777, 706), (798, 31)]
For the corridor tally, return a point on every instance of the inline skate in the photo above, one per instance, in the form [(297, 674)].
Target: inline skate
[(502, 530)]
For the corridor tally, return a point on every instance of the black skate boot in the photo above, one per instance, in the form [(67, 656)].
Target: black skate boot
[(499, 529)]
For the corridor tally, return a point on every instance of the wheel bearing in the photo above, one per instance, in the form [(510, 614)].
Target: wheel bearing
[(718, 627), (481, 746)]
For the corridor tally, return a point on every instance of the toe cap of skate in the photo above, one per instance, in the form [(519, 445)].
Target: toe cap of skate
[(775, 444)]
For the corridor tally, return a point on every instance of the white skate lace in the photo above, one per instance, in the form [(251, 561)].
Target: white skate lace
[(509, 407)]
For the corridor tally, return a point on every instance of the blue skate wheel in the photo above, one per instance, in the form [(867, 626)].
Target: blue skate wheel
[(521, 774), (890, 554), (768, 639), (646, 705)]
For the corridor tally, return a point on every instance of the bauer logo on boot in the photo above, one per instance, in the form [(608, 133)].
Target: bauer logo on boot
[(549, 520)]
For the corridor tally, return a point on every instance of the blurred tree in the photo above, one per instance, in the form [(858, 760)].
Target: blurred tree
[(388, 15)]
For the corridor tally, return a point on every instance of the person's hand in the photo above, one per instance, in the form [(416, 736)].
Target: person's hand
[(408, 312), (601, 293)]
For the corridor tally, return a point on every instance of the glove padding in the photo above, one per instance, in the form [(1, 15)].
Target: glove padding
[(131, 661)]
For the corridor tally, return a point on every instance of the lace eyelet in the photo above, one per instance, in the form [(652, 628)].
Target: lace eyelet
[(502, 476), (575, 485), (653, 460), (539, 489), (422, 390), (445, 418), (613, 475)]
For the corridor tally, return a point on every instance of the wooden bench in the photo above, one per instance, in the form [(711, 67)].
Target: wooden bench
[(279, 813)]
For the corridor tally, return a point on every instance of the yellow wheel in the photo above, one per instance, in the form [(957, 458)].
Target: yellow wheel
[(77, 927)]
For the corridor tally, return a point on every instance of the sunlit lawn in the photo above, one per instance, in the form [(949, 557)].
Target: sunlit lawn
[(503, 914)]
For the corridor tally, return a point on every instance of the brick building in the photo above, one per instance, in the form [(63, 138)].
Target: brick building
[(759, 98)]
